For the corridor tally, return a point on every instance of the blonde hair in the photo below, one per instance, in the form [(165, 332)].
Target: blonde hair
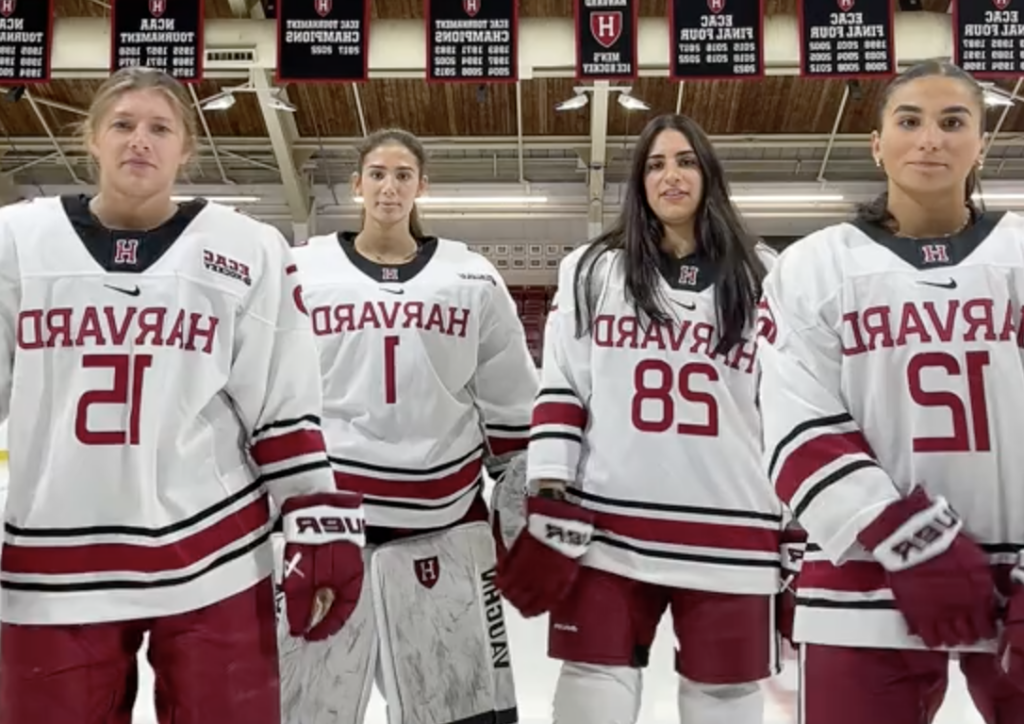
[(139, 78)]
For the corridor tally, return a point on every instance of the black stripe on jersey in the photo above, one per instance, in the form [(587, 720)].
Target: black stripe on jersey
[(803, 427), (108, 585), (695, 557), (829, 603), (508, 428), (834, 477), (134, 530), (422, 503), (557, 391), (665, 508), (294, 422), (572, 436), (433, 470), (296, 470)]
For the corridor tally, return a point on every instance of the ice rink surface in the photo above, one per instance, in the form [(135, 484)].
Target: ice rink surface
[(536, 676)]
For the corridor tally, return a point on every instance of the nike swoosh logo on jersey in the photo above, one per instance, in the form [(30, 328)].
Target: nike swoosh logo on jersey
[(691, 306), (951, 284), (130, 292), (392, 291)]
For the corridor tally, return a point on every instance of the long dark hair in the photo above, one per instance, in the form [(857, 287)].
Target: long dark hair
[(720, 235), (876, 211), (386, 136)]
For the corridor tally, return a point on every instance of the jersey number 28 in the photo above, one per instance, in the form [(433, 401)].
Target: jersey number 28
[(654, 387)]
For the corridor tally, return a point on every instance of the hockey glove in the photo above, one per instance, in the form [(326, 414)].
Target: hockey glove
[(542, 564), (940, 578), (1011, 643), (791, 549), (324, 536)]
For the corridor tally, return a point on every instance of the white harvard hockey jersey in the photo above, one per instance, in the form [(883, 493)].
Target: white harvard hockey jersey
[(658, 435), (158, 384), (418, 361), (891, 363)]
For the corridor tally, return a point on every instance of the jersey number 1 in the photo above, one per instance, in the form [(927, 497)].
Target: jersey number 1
[(390, 391), (127, 390), (974, 369)]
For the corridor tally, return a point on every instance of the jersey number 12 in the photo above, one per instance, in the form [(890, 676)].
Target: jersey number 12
[(975, 407)]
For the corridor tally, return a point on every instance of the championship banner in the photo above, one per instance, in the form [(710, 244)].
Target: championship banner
[(162, 34), (323, 41), (26, 36), (472, 41), (716, 39), (988, 37), (847, 38), (606, 39)]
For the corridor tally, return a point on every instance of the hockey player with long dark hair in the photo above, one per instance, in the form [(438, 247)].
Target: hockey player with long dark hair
[(891, 394), (646, 490)]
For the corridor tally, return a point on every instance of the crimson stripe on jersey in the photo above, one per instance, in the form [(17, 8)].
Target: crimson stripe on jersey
[(831, 421), (291, 269), (689, 533), (852, 576), (122, 557), (427, 488), (677, 556), (275, 449), (559, 413), (293, 422), (506, 445), (812, 456)]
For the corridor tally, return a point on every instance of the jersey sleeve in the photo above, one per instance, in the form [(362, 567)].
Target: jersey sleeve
[(560, 411), (816, 455), (275, 381), (10, 292), (506, 375)]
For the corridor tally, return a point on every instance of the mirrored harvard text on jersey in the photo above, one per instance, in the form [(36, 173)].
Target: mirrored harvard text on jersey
[(387, 314)]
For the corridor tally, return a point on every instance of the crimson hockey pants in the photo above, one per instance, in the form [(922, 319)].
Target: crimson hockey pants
[(217, 665)]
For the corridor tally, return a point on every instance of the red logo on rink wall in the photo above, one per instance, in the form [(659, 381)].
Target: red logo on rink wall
[(428, 570), (7, 7), (845, 5), (472, 7), (157, 7), (126, 251), (323, 7), (1001, 4), (716, 6), (606, 27)]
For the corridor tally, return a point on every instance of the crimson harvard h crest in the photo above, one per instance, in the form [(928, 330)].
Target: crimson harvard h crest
[(7, 7), (157, 8), (1001, 4), (472, 7), (428, 570), (606, 27), (323, 7), (716, 6), (845, 5)]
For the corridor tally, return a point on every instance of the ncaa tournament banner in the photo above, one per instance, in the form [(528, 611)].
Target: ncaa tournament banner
[(847, 38), (471, 41), (606, 39), (163, 34), (323, 41), (26, 36), (988, 37), (716, 39)]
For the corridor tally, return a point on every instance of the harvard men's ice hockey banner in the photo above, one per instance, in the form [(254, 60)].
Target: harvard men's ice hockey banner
[(847, 38), (323, 41), (988, 37), (163, 34), (26, 32), (716, 39), (606, 39), (471, 40)]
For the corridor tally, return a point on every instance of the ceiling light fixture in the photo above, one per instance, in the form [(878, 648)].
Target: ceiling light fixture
[(632, 104), (220, 199), (786, 198), (474, 200)]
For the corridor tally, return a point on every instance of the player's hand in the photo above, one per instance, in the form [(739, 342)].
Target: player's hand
[(542, 564), (324, 536), (791, 551), (940, 578), (1011, 642)]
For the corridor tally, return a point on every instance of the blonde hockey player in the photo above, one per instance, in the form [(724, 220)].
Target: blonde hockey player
[(160, 382), (427, 380), (892, 394), (646, 487)]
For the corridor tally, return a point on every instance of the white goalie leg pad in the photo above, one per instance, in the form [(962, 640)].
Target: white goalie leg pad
[(326, 682), (444, 650), (720, 703), (596, 694), (508, 501)]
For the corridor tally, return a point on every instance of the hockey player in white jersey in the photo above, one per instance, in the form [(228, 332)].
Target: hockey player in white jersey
[(160, 383), (892, 394), (427, 381), (647, 492)]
